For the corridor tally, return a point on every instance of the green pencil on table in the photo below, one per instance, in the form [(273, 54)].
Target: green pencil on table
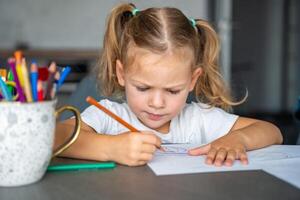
[(81, 166)]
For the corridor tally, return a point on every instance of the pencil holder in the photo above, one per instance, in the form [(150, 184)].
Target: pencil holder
[(26, 140)]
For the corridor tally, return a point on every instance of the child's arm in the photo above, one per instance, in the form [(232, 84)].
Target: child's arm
[(246, 134), (128, 148)]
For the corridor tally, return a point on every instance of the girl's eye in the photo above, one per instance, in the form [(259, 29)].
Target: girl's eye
[(174, 91), (142, 89)]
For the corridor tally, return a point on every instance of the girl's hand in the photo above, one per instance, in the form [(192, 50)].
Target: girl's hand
[(223, 150), (134, 148)]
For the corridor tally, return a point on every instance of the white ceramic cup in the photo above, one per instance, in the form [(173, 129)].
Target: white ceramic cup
[(26, 140)]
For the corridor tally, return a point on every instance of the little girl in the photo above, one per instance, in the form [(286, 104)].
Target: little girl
[(156, 57)]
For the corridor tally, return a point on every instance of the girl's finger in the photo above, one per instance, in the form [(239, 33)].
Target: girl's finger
[(220, 157), (151, 139), (211, 156), (146, 157), (199, 150), (244, 158), (148, 148), (242, 155), (231, 156), (141, 162)]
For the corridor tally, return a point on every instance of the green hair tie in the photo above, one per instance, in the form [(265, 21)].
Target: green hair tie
[(135, 11), (193, 22)]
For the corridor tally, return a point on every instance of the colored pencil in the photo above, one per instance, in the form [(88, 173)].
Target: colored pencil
[(52, 70), (27, 86), (12, 84), (6, 94), (63, 76), (12, 65), (10, 77), (18, 59), (81, 166), (92, 101), (3, 74), (56, 78), (40, 91), (34, 79)]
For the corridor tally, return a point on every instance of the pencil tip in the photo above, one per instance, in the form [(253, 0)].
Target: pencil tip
[(18, 55), (11, 60), (52, 67), (57, 76), (33, 67)]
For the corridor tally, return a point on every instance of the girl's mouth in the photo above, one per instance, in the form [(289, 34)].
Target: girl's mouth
[(154, 117)]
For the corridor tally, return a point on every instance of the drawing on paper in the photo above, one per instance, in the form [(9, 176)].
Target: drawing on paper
[(174, 150)]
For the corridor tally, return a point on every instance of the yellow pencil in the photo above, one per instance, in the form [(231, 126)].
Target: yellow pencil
[(18, 57), (27, 86)]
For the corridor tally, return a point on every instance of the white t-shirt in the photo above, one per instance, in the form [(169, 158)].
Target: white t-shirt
[(195, 124)]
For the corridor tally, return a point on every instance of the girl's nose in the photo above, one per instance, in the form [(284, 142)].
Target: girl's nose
[(157, 100)]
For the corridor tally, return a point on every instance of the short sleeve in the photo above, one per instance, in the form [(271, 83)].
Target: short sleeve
[(96, 118), (216, 122)]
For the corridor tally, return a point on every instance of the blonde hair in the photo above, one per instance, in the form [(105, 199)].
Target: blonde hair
[(159, 30)]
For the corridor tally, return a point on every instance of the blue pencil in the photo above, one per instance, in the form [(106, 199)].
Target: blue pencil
[(34, 80), (63, 76), (6, 94)]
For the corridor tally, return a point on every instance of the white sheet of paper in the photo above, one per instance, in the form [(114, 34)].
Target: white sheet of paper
[(282, 161)]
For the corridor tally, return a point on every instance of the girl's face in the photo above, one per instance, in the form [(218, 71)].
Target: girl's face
[(157, 86)]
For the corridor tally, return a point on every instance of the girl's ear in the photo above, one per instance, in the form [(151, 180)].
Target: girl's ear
[(196, 74), (120, 73)]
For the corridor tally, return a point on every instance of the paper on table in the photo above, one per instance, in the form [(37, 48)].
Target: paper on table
[(175, 160), (282, 161), (275, 152)]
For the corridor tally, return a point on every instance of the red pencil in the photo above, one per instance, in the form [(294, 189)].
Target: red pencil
[(40, 91)]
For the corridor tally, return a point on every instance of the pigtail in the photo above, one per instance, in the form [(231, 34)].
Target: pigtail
[(211, 88), (116, 24)]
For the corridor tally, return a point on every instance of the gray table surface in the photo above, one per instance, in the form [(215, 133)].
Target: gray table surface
[(141, 183)]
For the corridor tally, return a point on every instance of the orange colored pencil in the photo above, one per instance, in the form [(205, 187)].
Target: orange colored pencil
[(3, 74), (92, 101), (18, 56)]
